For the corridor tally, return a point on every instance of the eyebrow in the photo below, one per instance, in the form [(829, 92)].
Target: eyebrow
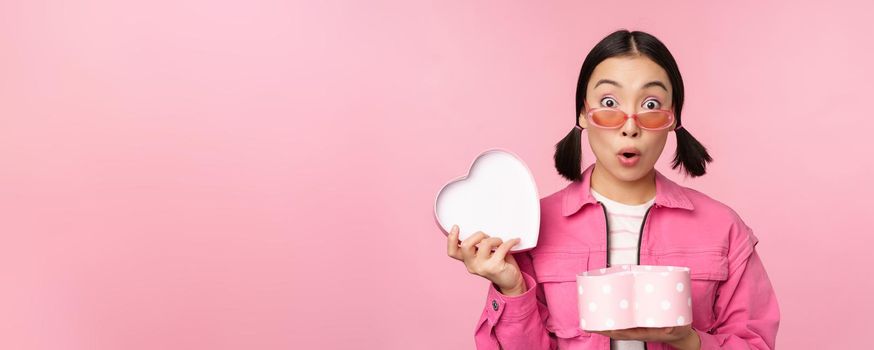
[(649, 84)]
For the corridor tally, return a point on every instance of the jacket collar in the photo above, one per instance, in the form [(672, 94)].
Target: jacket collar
[(668, 193)]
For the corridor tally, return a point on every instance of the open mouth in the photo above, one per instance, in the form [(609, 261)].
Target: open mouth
[(628, 156), (629, 152)]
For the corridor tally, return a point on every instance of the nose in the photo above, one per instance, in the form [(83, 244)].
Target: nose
[(630, 128)]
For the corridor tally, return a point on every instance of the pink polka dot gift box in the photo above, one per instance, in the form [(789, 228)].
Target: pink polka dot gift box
[(627, 296)]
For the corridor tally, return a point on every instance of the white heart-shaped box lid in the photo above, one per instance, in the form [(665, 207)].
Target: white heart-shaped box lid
[(498, 196)]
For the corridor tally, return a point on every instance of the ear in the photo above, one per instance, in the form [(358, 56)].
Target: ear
[(582, 120)]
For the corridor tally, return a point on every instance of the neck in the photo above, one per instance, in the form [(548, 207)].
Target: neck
[(626, 192)]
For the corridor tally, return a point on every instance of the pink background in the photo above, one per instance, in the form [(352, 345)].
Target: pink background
[(260, 174)]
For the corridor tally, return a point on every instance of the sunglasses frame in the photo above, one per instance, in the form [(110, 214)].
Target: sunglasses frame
[(590, 112)]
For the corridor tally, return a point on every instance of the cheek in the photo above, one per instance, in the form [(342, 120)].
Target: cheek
[(598, 141), (656, 145)]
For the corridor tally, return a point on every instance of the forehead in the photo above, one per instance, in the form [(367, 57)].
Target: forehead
[(631, 72)]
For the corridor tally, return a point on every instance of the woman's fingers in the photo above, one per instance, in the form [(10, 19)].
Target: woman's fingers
[(502, 250), (646, 333), (452, 248), (476, 250), (468, 247), (484, 248)]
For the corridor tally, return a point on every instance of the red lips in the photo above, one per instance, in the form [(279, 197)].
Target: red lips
[(629, 150), (632, 158)]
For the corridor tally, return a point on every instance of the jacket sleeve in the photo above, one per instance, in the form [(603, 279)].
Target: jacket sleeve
[(747, 313), (515, 322)]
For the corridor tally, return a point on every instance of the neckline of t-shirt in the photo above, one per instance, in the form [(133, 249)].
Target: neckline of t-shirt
[(619, 205)]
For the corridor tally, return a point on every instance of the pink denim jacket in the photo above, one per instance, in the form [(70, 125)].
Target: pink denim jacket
[(733, 303)]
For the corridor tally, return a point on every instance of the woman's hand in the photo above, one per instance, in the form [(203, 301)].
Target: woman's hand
[(499, 267), (682, 337)]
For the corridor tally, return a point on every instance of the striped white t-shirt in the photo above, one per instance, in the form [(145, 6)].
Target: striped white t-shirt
[(623, 222)]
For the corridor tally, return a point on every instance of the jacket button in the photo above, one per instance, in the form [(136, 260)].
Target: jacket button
[(495, 305)]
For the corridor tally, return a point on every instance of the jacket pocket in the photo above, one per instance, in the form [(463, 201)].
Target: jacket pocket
[(556, 272), (707, 270)]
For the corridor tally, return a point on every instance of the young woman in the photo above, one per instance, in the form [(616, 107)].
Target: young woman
[(620, 210)]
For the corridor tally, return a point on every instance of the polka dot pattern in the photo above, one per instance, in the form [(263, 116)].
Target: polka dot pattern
[(626, 296)]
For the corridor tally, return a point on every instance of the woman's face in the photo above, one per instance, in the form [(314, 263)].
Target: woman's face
[(632, 84)]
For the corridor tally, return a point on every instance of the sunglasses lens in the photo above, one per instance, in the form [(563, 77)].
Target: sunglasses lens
[(654, 119), (608, 118)]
